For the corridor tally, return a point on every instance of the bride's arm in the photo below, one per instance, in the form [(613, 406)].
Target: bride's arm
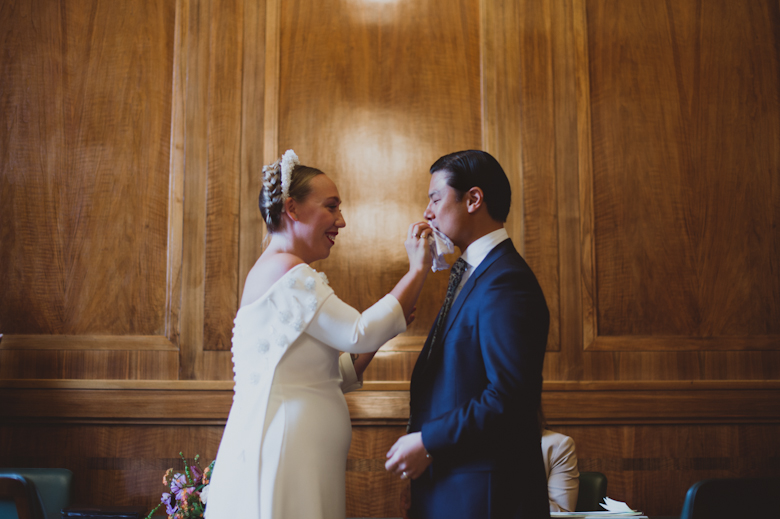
[(342, 327), (409, 287)]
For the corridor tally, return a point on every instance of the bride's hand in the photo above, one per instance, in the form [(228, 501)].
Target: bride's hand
[(417, 247)]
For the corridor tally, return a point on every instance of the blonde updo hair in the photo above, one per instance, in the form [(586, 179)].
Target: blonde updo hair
[(271, 200)]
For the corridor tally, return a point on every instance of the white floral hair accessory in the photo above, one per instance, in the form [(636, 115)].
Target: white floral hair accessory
[(289, 161)]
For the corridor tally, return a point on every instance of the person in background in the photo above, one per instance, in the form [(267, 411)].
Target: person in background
[(560, 464)]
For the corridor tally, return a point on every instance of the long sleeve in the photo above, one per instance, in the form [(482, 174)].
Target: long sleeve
[(560, 460), (345, 329)]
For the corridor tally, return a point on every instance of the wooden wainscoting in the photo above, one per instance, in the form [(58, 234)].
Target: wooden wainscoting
[(651, 439)]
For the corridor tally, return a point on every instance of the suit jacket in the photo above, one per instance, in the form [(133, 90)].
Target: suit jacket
[(476, 398)]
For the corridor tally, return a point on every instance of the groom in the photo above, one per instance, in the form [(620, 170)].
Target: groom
[(473, 444)]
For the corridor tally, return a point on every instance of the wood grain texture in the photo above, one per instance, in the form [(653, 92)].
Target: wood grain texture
[(86, 103), (223, 186), (519, 130), (195, 52), (599, 403), (648, 466), (251, 226), (684, 102), (373, 94), (80, 364), (86, 342), (566, 365), (652, 467), (176, 181)]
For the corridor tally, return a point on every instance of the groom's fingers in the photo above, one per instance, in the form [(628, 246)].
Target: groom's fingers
[(392, 449)]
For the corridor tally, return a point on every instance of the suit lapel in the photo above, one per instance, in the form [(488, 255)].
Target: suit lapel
[(499, 250)]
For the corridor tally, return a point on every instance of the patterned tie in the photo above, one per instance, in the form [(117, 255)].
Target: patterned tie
[(456, 274)]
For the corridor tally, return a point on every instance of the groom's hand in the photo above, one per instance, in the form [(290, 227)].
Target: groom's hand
[(408, 458)]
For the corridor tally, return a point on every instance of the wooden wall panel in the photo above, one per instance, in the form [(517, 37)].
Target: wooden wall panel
[(86, 97), (89, 364), (648, 466), (223, 189), (684, 104), (373, 94), (652, 467), (644, 172)]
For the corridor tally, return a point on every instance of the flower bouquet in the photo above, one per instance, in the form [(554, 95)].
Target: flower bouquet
[(188, 491)]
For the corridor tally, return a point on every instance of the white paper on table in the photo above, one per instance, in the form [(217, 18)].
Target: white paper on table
[(612, 505)]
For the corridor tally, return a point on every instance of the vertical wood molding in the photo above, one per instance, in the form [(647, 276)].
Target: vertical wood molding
[(196, 161), (518, 91), (271, 92), (488, 80), (176, 181), (585, 168), (251, 226), (501, 102), (568, 367), (501, 110)]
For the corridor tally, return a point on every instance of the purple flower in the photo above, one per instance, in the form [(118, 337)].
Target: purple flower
[(178, 483), (196, 473), (170, 508)]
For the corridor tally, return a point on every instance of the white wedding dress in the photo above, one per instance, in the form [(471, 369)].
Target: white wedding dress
[(284, 450)]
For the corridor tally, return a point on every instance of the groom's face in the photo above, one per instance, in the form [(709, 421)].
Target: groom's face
[(445, 212)]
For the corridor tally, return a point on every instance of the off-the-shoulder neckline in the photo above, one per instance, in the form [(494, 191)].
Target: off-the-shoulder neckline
[(273, 285)]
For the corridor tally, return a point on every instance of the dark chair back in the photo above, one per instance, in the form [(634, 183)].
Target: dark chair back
[(730, 498), (19, 496), (593, 490), (52, 487)]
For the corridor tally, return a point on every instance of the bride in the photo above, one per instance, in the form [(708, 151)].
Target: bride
[(283, 453)]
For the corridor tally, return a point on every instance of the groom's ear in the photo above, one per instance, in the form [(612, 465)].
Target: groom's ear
[(475, 199)]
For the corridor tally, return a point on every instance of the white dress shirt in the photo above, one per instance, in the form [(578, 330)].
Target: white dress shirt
[(477, 252)]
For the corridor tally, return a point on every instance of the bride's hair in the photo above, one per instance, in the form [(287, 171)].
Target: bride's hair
[(271, 198)]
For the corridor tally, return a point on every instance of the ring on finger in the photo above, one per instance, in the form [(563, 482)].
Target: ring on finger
[(404, 475)]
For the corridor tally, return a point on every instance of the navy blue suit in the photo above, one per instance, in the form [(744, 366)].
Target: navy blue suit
[(476, 398)]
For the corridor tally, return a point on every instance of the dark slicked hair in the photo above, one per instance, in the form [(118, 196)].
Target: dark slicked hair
[(475, 168)]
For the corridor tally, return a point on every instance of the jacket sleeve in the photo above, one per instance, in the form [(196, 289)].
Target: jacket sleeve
[(513, 322)]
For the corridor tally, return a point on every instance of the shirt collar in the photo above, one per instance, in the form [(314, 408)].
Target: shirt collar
[(481, 247)]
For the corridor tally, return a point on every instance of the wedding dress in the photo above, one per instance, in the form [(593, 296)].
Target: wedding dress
[(284, 450)]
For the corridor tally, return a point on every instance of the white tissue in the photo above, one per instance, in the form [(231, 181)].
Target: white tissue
[(440, 245)]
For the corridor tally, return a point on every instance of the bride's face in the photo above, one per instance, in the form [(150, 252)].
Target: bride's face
[(318, 218)]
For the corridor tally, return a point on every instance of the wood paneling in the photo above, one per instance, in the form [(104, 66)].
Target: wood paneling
[(86, 98), (650, 402), (80, 364), (648, 466), (373, 93), (640, 139), (684, 104), (224, 144), (519, 130), (651, 467)]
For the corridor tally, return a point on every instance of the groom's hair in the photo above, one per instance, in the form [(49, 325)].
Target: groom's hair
[(475, 168)]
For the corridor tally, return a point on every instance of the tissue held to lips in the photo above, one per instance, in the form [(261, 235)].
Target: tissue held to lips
[(440, 245)]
